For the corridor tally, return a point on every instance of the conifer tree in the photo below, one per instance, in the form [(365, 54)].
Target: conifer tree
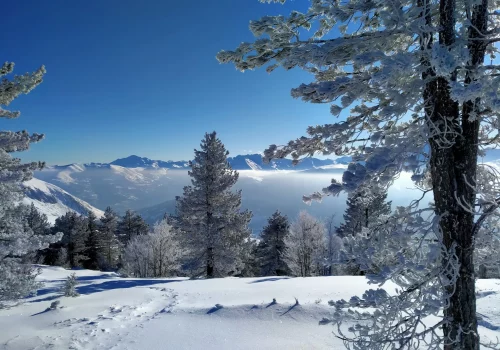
[(418, 82), (74, 230), (272, 246), (109, 240), (130, 226), (208, 214), (39, 225), (363, 209), (17, 279), (37, 221), (92, 242)]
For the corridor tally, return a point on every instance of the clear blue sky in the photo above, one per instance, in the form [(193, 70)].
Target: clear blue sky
[(140, 77)]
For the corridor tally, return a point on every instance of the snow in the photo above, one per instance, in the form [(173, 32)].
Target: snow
[(177, 313), (252, 164), (54, 201)]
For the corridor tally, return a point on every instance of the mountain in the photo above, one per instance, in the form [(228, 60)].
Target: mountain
[(137, 182), (240, 162), (142, 162), (54, 201)]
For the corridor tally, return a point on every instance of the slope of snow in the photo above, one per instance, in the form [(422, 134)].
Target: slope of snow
[(54, 201), (177, 313), (252, 164)]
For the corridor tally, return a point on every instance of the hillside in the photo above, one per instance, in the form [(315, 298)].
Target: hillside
[(54, 201), (127, 313)]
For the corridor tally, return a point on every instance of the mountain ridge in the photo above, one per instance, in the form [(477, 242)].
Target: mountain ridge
[(238, 162)]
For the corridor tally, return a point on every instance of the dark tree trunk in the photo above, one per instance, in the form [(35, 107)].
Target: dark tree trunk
[(453, 166), (210, 262)]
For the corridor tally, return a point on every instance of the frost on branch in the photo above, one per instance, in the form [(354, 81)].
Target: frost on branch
[(416, 88), (17, 238)]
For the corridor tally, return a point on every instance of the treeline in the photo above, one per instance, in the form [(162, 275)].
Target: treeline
[(209, 235)]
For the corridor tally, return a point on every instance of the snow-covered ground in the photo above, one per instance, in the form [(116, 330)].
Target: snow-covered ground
[(127, 313)]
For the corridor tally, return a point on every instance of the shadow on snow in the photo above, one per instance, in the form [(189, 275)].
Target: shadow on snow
[(272, 279), (119, 284)]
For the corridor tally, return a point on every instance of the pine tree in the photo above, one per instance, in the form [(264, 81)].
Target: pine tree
[(17, 279), (250, 259), (39, 225), (130, 226), (272, 246), (70, 284), (72, 244), (334, 247), (92, 243), (37, 221), (420, 80), (363, 209), (110, 244), (208, 213)]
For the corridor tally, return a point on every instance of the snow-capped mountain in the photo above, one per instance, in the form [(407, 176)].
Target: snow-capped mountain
[(137, 182), (240, 162), (54, 201), (142, 162)]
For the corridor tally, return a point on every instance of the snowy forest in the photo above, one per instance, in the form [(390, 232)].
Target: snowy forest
[(417, 81)]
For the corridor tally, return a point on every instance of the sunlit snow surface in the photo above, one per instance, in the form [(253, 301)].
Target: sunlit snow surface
[(54, 201), (125, 313)]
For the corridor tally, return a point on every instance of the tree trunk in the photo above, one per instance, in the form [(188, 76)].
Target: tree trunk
[(452, 166), (483, 271), (210, 262)]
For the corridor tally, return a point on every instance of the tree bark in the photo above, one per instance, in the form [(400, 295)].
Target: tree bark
[(452, 168)]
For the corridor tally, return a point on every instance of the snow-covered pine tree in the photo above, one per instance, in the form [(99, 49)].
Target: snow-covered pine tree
[(271, 247), (334, 246), (70, 284), (422, 81), (363, 209), (487, 248), (92, 243), (110, 245), (208, 214), (17, 279), (37, 222), (250, 260), (305, 246)]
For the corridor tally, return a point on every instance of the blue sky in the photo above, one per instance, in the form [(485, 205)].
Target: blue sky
[(140, 77)]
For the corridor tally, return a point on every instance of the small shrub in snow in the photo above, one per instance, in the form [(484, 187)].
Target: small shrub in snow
[(69, 286), (54, 305)]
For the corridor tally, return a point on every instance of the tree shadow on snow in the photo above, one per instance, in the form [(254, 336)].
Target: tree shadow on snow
[(272, 279), (119, 284), (52, 297), (96, 278)]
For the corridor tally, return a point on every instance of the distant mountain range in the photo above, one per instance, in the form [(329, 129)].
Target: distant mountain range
[(150, 186), (240, 162)]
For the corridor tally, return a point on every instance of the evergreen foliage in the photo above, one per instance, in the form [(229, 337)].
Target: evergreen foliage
[(70, 286), (272, 246), (17, 238), (208, 214), (110, 245)]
